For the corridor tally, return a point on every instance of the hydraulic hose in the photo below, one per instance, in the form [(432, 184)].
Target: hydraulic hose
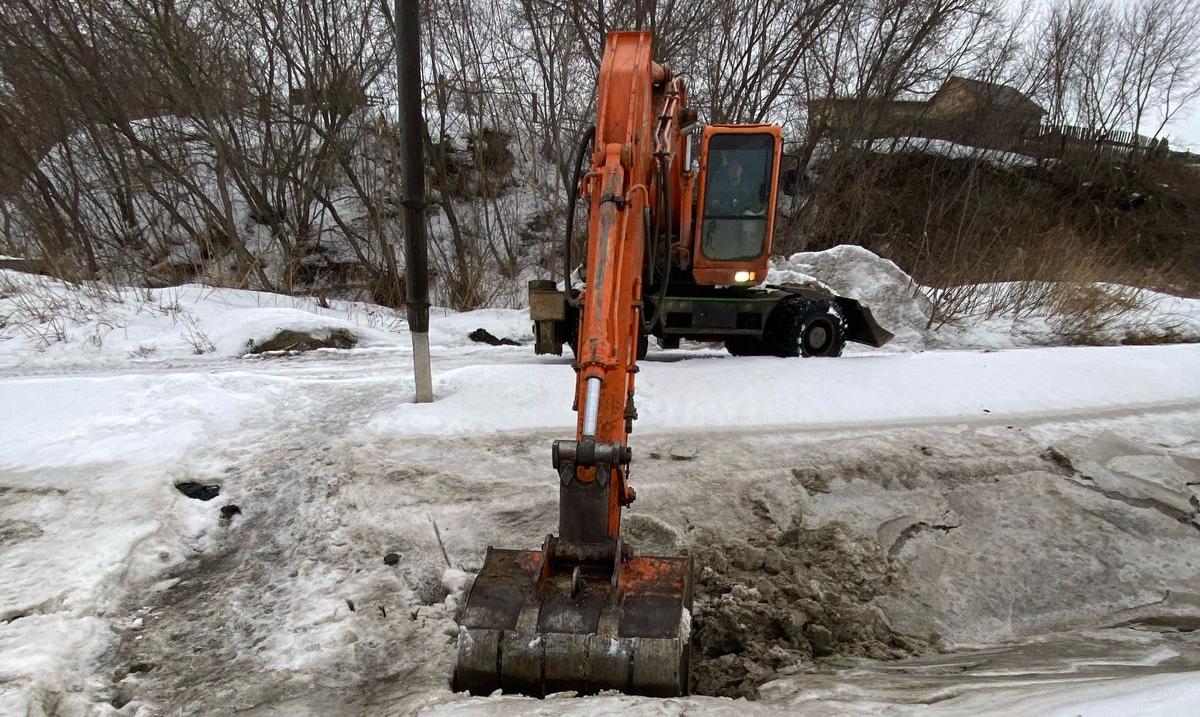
[(664, 190), (572, 197)]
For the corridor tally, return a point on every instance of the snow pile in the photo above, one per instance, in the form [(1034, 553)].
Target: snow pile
[(895, 300), (50, 323)]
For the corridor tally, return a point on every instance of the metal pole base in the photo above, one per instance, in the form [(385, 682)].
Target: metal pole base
[(422, 371)]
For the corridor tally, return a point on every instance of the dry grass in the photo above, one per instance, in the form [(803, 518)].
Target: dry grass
[(1065, 243), (1078, 288)]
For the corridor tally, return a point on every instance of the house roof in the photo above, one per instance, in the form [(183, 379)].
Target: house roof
[(995, 94)]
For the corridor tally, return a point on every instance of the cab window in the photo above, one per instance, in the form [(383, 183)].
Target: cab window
[(737, 195)]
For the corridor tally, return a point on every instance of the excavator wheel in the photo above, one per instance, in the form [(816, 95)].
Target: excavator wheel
[(745, 346), (823, 333), (800, 327)]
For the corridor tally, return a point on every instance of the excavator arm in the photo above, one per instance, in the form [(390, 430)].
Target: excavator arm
[(584, 613), (621, 200)]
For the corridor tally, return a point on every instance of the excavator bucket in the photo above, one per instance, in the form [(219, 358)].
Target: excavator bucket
[(530, 629)]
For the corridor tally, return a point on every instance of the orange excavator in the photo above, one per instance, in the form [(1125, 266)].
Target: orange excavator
[(674, 250)]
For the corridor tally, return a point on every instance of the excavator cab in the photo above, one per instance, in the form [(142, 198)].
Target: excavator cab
[(735, 210)]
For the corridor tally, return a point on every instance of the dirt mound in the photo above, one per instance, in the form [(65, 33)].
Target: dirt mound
[(771, 605), (297, 341)]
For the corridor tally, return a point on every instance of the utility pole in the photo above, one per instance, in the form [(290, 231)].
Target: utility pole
[(412, 172)]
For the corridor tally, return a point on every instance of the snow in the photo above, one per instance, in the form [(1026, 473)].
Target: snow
[(96, 432), (100, 419), (872, 390), (51, 325), (87, 465), (946, 148), (1157, 695), (51, 657)]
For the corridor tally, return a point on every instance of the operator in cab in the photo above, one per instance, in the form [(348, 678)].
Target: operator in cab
[(734, 224), (733, 196)]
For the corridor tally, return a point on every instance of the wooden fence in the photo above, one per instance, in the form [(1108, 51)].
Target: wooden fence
[(1057, 140)]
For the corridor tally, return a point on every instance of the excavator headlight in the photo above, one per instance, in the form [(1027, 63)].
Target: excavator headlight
[(743, 276)]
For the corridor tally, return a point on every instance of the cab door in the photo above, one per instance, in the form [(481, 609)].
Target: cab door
[(739, 177)]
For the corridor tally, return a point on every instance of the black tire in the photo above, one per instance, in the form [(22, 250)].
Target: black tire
[(643, 346), (824, 333), (745, 346), (573, 339), (806, 328)]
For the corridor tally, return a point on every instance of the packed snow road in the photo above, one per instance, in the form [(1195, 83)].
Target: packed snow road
[(967, 532)]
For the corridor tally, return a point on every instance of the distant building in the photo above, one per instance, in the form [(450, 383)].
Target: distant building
[(981, 114)]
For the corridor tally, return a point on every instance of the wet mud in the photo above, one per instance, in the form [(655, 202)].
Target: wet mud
[(782, 600)]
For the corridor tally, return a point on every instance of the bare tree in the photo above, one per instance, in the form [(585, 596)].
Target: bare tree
[(1159, 57)]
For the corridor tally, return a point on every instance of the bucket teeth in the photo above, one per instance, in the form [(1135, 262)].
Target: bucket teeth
[(522, 634)]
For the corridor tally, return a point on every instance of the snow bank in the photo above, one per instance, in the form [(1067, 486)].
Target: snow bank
[(451, 328), (1004, 316), (50, 323), (55, 323), (997, 321)]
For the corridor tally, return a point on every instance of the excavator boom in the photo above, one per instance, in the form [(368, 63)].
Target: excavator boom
[(584, 613)]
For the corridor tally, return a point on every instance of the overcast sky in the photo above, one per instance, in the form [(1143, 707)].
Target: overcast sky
[(1185, 132)]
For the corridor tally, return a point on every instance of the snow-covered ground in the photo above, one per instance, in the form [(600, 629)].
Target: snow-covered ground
[(946, 148), (1015, 529)]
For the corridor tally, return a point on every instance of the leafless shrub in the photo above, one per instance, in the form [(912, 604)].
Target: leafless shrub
[(144, 351), (193, 333), (1079, 289)]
